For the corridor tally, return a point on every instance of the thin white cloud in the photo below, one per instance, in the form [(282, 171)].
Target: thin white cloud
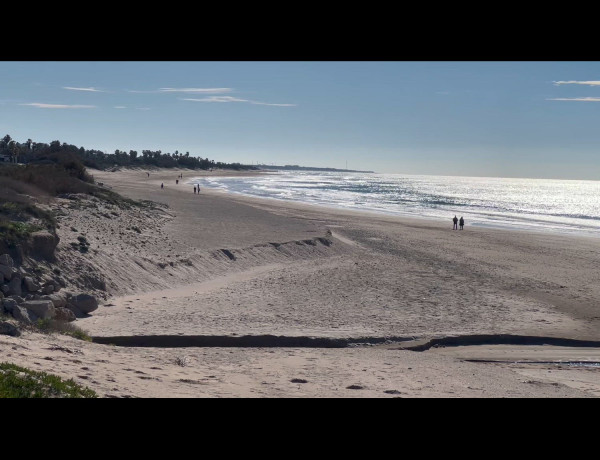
[(185, 90), (196, 90), (234, 99), (90, 89), (216, 99), (119, 107), (59, 106), (578, 82), (584, 99)]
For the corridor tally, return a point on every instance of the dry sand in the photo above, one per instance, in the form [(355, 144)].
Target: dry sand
[(220, 268)]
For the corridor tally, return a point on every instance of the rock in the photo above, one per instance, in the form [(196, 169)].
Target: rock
[(43, 244), (8, 329), (48, 289), (23, 315), (64, 314), (6, 259), (17, 298), (6, 272), (30, 284), (14, 286), (41, 308), (9, 304), (5, 289), (57, 299), (1, 295), (84, 302), (76, 311)]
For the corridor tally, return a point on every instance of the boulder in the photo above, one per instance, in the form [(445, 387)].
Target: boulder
[(76, 311), (57, 299), (30, 284), (41, 308), (43, 244), (6, 259), (84, 302), (9, 304), (64, 314), (8, 329), (1, 295), (4, 289), (18, 299), (23, 315), (14, 287), (6, 272), (48, 289)]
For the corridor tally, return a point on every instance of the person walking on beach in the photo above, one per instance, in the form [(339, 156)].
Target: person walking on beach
[(461, 222), (148, 174), (455, 220), (194, 189), (176, 181), (162, 185)]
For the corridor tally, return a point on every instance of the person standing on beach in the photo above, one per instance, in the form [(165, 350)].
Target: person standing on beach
[(162, 185), (148, 174), (461, 222), (455, 220), (176, 181), (194, 189)]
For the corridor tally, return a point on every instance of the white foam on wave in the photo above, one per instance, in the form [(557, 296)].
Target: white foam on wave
[(529, 204)]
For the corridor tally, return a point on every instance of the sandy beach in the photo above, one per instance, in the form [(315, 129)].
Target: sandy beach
[(217, 295)]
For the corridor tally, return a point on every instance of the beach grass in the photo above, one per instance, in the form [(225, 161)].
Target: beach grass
[(19, 382)]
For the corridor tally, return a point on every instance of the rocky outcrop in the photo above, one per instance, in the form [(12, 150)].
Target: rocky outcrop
[(43, 244), (23, 315), (58, 300), (41, 308), (30, 284), (64, 314), (6, 259), (27, 294), (84, 302), (8, 329), (6, 271), (14, 286)]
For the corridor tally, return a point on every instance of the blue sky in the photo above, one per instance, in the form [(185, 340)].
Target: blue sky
[(506, 119)]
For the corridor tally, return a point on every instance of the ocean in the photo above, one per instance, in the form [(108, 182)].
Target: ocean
[(560, 206)]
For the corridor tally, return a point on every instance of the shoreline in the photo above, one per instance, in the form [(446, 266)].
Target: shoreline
[(518, 226)]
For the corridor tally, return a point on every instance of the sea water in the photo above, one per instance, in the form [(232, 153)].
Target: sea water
[(565, 206)]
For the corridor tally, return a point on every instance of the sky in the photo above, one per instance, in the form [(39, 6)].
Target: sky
[(466, 118)]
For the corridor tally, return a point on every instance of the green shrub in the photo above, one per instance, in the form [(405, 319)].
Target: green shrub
[(49, 326), (19, 382)]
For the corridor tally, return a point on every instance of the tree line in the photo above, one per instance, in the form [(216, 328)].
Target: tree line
[(36, 152)]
